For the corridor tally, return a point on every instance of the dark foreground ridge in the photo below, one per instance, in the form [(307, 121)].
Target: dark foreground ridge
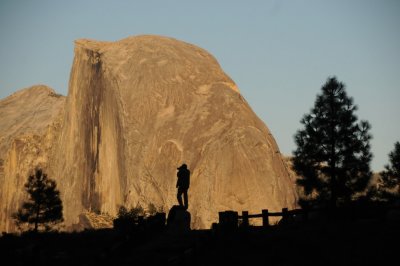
[(315, 242)]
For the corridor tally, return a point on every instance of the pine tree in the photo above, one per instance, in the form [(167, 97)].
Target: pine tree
[(333, 151), (44, 206), (390, 177)]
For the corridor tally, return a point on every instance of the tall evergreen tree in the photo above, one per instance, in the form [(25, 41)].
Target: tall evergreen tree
[(333, 151), (390, 177), (44, 206)]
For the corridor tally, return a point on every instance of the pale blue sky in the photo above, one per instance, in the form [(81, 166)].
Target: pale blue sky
[(279, 53)]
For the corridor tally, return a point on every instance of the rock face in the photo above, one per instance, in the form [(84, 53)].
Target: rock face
[(28, 121), (140, 107)]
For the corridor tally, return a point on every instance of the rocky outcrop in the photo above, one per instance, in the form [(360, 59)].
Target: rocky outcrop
[(29, 121), (90, 220), (140, 107)]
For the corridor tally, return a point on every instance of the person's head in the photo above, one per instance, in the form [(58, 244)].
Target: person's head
[(183, 166)]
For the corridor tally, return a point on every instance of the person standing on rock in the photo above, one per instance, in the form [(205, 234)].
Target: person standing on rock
[(183, 185)]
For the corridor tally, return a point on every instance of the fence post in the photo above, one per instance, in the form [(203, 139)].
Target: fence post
[(285, 215), (265, 218), (245, 218), (228, 221)]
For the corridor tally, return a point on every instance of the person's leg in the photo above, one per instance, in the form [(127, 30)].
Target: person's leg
[(179, 197), (185, 199)]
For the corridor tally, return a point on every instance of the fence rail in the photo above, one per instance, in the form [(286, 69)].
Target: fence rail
[(265, 214)]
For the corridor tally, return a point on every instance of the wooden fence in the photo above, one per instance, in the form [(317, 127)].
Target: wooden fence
[(232, 218)]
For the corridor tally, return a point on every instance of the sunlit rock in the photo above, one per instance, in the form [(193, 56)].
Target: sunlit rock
[(137, 109)]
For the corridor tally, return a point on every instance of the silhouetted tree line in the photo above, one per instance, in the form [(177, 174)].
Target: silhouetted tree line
[(388, 184), (333, 154)]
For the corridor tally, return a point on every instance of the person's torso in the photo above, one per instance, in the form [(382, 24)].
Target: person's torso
[(184, 178)]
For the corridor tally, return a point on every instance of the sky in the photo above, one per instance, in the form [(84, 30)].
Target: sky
[(278, 52)]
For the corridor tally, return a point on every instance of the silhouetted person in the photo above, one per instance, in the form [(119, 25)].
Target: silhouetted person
[(183, 185)]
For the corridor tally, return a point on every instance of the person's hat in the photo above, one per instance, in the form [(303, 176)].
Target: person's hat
[(183, 166)]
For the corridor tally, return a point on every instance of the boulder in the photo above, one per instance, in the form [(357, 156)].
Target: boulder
[(178, 220)]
